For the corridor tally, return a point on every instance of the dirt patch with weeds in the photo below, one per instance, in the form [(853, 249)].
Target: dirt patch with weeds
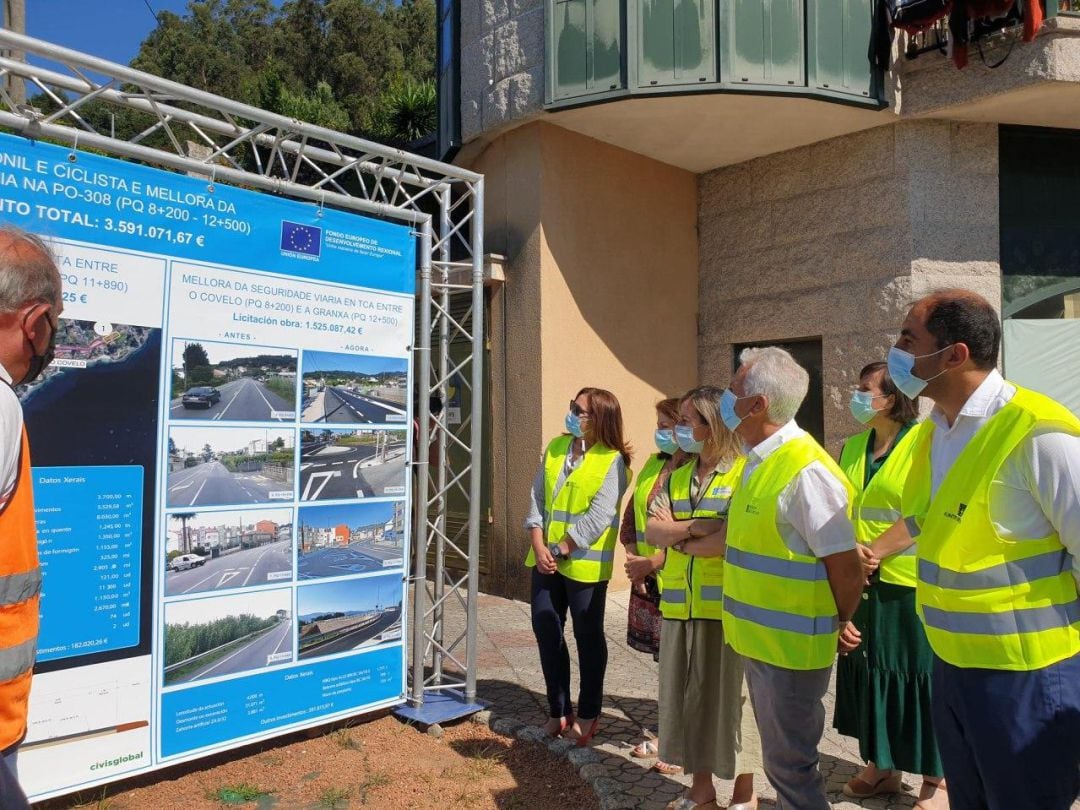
[(378, 764)]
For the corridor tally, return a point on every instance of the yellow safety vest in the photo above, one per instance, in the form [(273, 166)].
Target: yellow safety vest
[(988, 602), (693, 587), (778, 607), (649, 473), (877, 505), (592, 564)]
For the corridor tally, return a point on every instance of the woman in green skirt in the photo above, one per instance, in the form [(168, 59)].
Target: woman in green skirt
[(883, 684)]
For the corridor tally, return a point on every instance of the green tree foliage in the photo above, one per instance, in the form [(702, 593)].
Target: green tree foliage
[(405, 112), (182, 641), (326, 62)]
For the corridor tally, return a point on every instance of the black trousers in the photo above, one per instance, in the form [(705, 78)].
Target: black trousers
[(552, 596)]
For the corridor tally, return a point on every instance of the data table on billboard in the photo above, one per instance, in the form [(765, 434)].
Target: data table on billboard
[(208, 333)]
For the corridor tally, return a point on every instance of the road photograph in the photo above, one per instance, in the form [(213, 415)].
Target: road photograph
[(340, 464), (225, 635), (223, 466), (353, 389), (232, 382), (353, 614), (334, 541), (213, 551)]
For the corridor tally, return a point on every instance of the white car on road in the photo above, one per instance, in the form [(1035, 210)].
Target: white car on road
[(185, 561)]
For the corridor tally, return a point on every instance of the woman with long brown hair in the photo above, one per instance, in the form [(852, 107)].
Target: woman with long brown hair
[(573, 527)]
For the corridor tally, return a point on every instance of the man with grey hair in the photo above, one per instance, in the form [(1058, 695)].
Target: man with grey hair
[(792, 575), (30, 307)]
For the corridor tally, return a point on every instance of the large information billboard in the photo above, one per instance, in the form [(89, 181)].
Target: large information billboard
[(220, 460)]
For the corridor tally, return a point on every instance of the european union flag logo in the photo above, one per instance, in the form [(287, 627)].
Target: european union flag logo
[(297, 238)]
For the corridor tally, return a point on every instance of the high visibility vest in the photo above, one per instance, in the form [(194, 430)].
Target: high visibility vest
[(877, 505), (693, 587), (20, 585), (595, 563), (988, 602), (778, 607), (645, 481)]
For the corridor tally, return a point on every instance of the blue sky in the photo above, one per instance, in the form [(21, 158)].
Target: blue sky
[(110, 30), (349, 594), (313, 362), (352, 515)]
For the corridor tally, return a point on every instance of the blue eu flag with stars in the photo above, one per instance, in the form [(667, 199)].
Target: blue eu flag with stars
[(297, 238)]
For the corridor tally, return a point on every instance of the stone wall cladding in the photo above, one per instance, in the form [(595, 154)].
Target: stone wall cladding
[(502, 63), (836, 239)]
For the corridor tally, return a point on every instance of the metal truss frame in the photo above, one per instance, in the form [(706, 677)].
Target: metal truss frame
[(192, 131)]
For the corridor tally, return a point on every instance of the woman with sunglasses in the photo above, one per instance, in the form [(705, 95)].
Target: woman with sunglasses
[(884, 672), (573, 525)]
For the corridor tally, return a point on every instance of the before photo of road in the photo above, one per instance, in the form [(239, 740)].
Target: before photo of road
[(231, 382), (348, 464), (356, 538), (226, 466), (209, 551), (224, 635), (353, 389)]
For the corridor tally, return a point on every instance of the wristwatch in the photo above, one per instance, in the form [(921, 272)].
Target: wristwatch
[(556, 551)]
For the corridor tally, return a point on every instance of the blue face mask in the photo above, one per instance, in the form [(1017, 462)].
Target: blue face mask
[(862, 406), (685, 437), (573, 425), (727, 410), (665, 440), (901, 365)]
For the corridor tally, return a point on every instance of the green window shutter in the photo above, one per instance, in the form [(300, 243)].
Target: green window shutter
[(675, 42), (839, 42), (763, 42), (586, 47)]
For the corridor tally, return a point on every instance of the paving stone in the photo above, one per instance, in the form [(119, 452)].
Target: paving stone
[(507, 726), (561, 746), (582, 756), (532, 734)]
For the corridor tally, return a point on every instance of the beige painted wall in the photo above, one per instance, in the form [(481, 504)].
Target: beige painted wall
[(835, 240), (601, 289)]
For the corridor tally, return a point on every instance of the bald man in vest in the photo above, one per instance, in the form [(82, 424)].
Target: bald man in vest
[(993, 501), (30, 307)]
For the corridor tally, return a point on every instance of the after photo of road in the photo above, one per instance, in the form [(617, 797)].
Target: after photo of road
[(223, 466), (232, 382), (336, 617), (340, 464), (211, 551), (353, 389), (226, 635), (334, 541)]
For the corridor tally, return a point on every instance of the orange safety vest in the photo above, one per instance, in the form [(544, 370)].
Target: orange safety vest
[(20, 585)]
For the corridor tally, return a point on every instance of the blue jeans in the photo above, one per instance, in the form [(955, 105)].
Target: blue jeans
[(1009, 740), (11, 795)]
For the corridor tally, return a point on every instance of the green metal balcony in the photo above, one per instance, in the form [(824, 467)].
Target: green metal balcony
[(598, 50)]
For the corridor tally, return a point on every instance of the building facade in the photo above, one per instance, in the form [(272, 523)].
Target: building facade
[(668, 181)]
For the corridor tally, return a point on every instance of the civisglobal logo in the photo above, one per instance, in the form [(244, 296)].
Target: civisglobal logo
[(120, 760)]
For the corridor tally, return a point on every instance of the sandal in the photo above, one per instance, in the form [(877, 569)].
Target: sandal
[(586, 738), (667, 768), (858, 788), (564, 723), (645, 750), (686, 803), (937, 787)]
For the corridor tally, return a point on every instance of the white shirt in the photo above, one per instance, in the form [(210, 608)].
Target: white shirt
[(1037, 490), (811, 512), (11, 425)]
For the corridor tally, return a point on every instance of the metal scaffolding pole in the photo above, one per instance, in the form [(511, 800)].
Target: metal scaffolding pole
[(254, 148)]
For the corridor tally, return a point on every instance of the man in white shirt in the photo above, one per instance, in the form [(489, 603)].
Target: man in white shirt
[(30, 305), (994, 502), (792, 575)]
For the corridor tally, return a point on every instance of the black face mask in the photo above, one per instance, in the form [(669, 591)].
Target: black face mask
[(39, 362)]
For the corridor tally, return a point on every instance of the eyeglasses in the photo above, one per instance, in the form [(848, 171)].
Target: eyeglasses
[(578, 411)]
